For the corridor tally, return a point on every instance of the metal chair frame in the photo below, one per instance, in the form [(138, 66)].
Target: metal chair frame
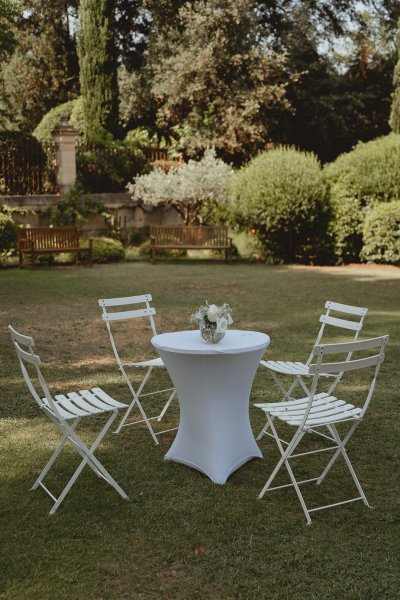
[(321, 410), (298, 370), (66, 412), (137, 394)]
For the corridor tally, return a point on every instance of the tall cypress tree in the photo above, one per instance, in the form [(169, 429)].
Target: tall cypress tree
[(395, 112), (98, 66)]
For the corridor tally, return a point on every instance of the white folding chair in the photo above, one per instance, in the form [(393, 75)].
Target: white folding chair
[(322, 411), (127, 315), (298, 371), (65, 412)]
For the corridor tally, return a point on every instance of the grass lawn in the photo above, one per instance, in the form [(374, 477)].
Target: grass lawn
[(180, 536)]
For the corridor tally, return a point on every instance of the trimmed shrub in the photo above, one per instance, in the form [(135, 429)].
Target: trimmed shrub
[(282, 197), (107, 250), (74, 111), (381, 234), (359, 179), (8, 232)]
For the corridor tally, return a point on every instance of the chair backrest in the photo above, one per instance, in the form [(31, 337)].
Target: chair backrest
[(24, 346), (126, 315), (374, 361), (354, 324)]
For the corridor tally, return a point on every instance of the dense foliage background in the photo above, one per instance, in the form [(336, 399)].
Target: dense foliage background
[(298, 101), (235, 74)]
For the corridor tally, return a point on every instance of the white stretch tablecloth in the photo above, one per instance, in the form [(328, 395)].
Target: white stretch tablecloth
[(213, 384)]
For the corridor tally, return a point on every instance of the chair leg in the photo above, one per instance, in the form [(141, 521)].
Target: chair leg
[(90, 460), (284, 454), (264, 430), (341, 450), (166, 407), (284, 460), (338, 451), (136, 401), (55, 455)]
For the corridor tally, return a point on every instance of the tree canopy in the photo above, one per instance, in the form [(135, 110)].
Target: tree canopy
[(234, 74)]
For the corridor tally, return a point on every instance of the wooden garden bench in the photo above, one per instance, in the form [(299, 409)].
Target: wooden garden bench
[(33, 241), (190, 238)]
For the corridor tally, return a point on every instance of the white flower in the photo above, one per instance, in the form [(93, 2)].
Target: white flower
[(212, 313), (222, 324)]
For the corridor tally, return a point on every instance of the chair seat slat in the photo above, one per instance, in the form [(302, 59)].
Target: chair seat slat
[(102, 405), (320, 408), (89, 408), (299, 402), (320, 412), (285, 367), (106, 398), (152, 362), (63, 413), (64, 402)]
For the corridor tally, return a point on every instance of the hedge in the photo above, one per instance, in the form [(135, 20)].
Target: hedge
[(282, 197), (381, 235), (8, 232), (359, 179)]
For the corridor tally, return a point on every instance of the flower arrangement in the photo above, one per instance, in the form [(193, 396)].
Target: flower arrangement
[(213, 321)]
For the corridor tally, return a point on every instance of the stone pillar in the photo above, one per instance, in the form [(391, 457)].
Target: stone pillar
[(64, 136)]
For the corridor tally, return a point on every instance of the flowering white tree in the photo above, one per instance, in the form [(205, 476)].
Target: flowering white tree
[(192, 188)]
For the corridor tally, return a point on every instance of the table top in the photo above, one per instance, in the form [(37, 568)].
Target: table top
[(190, 342)]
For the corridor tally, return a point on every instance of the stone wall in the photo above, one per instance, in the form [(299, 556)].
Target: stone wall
[(127, 215)]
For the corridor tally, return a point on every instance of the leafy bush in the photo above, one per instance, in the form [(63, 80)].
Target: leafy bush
[(143, 138), (247, 246), (8, 232), (381, 234), (368, 174), (281, 196), (107, 250), (74, 209)]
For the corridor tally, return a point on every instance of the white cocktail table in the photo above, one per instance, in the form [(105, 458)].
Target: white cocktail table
[(213, 384)]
